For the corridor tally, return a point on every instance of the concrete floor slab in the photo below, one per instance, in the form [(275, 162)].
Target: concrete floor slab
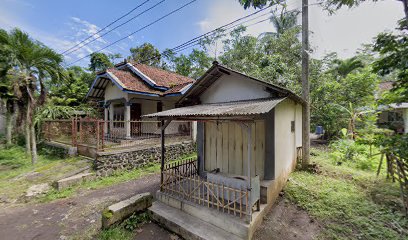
[(187, 226)]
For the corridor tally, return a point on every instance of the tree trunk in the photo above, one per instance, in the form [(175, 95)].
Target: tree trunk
[(27, 130), (34, 156), (405, 3), (9, 127)]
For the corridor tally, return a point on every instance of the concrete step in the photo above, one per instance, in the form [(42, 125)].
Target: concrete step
[(187, 226), (73, 180)]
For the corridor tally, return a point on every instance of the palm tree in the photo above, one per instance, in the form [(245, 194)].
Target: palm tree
[(282, 21), (343, 67), (32, 63)]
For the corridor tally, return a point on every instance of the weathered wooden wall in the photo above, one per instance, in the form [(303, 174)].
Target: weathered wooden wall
[(226, 148)]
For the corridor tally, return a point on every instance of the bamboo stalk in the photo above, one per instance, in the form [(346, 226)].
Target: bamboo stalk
[(223, 198), (240, 201), (228, 200)]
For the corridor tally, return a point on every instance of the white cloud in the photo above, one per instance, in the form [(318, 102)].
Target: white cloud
[(86, 29)]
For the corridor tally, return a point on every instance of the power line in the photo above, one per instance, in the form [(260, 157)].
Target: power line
[(196, 42), (110, 24), (120, 25), (140, 29), (228, 24), (213, 32)]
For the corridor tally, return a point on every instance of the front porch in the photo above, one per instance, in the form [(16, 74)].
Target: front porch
[(229, 194)]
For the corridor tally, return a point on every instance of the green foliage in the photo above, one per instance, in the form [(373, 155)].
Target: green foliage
[(393, 50), (72, 88), (135, 221), (331, 96), (269, 58), (147, 54), (344, 67), (193, 65), (116, 233), (349, 203), (99, 61), (17, 173), (347, 151), (397, 144)]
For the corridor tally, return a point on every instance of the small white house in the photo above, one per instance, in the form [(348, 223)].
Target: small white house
[(393, 116), (249, 136)]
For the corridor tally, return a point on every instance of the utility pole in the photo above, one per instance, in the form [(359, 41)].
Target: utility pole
[(305, 85)]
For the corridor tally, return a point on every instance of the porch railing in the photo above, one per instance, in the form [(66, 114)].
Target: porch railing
[(181, 180), (105, 135)]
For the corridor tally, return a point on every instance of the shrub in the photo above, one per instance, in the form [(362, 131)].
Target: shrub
[(350, 152)]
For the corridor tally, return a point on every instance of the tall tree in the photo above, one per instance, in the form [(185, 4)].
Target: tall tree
[(113, 56), (99, 61), (146, 53), (330, 5), (393, 50), (193, 65), (33, 63), (283, 20), (346, 66), (72, 89)]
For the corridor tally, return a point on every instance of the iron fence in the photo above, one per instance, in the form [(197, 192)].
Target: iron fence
[(108, 135)]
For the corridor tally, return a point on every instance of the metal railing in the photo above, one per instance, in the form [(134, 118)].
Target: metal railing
[(106, 135)]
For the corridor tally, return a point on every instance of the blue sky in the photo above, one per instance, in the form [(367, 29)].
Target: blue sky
[(60, 24)]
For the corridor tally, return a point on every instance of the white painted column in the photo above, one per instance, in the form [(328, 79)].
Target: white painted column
[(111, 111), (106, 117), (127, 119), (194, 131), (405, 116)]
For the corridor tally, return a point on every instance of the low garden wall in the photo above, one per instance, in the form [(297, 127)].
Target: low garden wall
[(106, 163)]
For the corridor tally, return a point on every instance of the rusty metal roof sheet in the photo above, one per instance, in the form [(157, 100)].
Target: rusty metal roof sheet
[(227, 109)]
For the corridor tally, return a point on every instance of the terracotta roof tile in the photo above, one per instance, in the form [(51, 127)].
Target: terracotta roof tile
[(176, 89), (132, 82), (162, 77), (385, 86)]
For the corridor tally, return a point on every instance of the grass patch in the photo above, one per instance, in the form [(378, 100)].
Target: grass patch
[(125, 230), (17, 173), (115, 178), (351, 203), (116, 233)]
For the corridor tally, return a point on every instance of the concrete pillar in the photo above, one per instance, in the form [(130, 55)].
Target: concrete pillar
[(405, 116), (106, 117), (194, 131), (111, 110), (127, 119)]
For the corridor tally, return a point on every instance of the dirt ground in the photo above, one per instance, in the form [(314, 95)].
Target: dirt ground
[(78, 217), (286, 221)]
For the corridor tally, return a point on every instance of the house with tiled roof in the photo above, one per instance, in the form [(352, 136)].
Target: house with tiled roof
[(129, 90), (395, 115)]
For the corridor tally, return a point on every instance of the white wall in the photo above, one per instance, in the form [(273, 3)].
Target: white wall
[(298, 123), (113, 92), (233, 88), (285, 140)]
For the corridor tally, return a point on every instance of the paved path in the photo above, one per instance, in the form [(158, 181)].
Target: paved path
[(79, 216)]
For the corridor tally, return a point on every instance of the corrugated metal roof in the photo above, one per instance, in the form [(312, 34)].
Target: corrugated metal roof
[(399, 105), (241, 108)]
